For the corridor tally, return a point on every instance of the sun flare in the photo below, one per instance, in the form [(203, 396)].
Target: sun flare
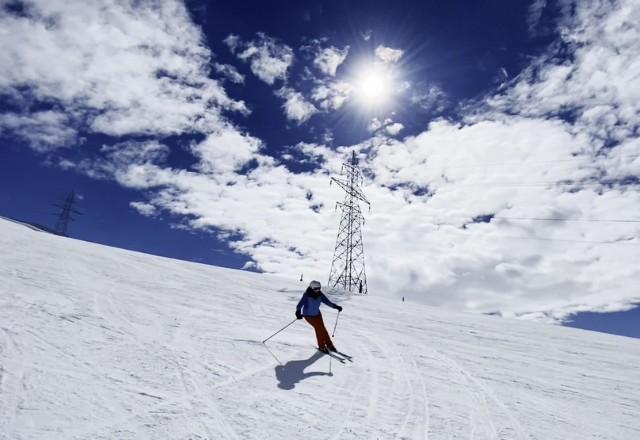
[(373, 85)]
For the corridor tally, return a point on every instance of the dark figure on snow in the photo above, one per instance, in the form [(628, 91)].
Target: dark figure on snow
[(309, 309), (293, 372)]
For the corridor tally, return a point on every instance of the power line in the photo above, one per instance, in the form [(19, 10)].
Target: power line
[(588, 184), (595, 220), (541, 219), (448, 184), (544, 184), (562, 240), (568, 240), (624, 243)]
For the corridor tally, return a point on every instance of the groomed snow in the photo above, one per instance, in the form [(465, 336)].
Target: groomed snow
[(102, 343)]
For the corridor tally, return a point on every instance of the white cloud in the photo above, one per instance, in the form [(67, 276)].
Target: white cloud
[(43, 130), (143, 208), (388, 54), (232, 41), (225, 150), (261, 205), (536, 8), (390, 127), (296, 107), (430, 98), (269, 60), (132, 152), (329, 58), (502, 265), (114, 160), (376, 124), (229, 72), (394, 129), (331, 95), (601, 85), (112, 67)]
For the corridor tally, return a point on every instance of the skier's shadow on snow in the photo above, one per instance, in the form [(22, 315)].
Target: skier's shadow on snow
[(292, 372)]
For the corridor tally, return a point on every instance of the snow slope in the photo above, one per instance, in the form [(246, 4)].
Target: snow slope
[(102, 343)]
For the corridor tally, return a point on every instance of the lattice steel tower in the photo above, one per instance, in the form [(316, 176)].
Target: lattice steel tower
[(67, 210), (347, 267)]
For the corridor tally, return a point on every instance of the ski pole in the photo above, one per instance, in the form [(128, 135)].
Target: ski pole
[(272, 354), (279, 330), (335, 325)]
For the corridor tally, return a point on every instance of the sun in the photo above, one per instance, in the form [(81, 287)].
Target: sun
[(373, 84)]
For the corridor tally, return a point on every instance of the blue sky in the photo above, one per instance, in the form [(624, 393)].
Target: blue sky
[(499, 140)]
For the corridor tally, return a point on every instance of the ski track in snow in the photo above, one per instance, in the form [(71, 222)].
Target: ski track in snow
[(101, 343)]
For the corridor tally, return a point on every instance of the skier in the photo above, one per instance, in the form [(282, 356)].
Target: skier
[(309, 309)]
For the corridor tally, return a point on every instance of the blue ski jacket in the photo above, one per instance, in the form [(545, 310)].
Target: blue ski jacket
[(309, 304)]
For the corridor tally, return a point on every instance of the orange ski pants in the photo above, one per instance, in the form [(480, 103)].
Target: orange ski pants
[(321, 332)]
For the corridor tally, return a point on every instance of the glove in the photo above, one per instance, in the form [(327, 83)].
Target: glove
[(339, 308), (298, 315)]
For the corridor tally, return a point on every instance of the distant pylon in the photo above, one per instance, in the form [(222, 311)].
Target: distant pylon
[(66, 214), (347, 267)]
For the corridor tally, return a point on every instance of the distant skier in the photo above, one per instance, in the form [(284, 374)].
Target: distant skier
[(309, 309)]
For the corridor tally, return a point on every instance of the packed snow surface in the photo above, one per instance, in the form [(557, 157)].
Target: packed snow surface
[(102, 343)]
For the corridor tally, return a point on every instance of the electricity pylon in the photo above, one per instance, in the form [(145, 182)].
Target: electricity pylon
[(347, 267), (66, 214)]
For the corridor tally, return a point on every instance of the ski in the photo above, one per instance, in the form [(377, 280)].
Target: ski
[(328, 353), (344, 355)]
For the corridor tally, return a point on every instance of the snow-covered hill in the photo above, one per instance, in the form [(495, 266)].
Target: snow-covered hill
[(102, 343)]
